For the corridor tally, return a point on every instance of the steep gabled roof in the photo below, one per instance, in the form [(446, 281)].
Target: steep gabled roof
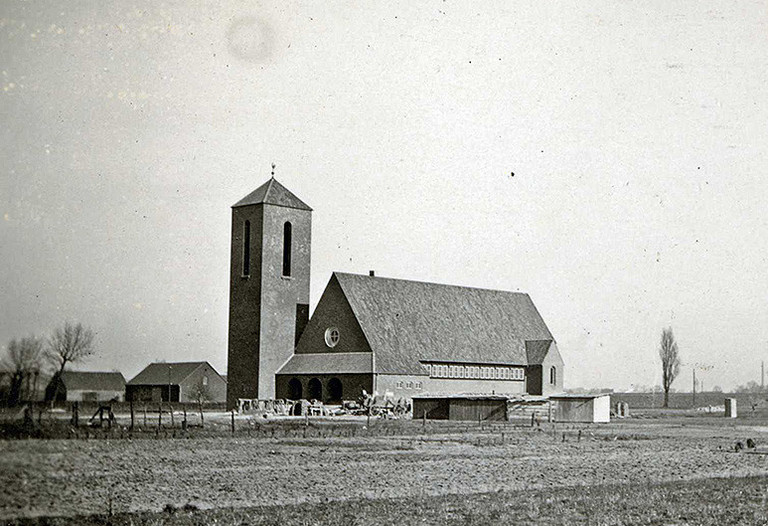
[(272, 193), (162, 373), (93, 381), (537, 350), (407, 322)]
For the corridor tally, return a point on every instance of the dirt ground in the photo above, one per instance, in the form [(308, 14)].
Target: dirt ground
[(76, 476)]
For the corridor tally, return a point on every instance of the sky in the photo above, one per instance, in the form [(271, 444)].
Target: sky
[(608, 158)]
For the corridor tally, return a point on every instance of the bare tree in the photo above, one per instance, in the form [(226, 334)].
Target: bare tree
[(200, 392), (22, 363), (670, 361), (68, 344)]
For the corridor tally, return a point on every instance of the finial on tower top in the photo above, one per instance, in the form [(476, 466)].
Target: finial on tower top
[(273, 169)]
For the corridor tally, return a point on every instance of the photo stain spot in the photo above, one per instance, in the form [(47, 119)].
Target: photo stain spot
[(250, 39)]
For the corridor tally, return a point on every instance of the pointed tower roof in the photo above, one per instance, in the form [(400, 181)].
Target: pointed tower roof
[(272, 193)]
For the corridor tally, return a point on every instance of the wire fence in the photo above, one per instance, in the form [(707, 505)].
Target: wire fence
[(167, 421)]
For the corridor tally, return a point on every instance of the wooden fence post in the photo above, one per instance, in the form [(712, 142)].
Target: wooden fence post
[(202, 419), (184, 422), (160, 416), (232, 412), (28, 416), (170, 408), (132, 416), (75, 414), (145, 415), (424, 420)]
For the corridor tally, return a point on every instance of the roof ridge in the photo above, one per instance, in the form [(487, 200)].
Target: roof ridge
[(431, 283), (92, 372), (335, 353), (269, 188), (174, 363)]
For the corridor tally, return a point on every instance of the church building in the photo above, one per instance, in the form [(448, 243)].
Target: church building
[(367, 332)]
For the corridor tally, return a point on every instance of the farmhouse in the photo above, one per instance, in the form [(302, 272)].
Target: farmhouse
[(177, 382), (75, 386), (367, 332)]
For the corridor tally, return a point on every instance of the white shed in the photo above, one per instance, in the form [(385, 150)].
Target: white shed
[(588, 408)]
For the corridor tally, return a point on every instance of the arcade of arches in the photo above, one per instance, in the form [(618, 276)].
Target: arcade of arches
[(327, 388)]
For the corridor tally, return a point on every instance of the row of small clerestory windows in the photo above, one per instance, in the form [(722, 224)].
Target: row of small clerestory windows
[(409, 385), (480, 372)]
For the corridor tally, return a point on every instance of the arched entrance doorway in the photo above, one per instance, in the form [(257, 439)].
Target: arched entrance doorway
[(295, 391), (335, 390), (315, 389)]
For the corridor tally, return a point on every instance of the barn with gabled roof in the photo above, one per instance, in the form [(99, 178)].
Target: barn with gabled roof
[(87, 386), (177, 382)]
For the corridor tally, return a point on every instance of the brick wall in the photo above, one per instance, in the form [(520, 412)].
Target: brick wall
[(263, 305)]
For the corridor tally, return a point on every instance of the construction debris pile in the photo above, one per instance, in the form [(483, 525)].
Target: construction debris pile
[(375, 405)]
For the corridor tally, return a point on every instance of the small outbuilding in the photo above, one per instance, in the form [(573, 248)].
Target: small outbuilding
[(586, 408), (481, 407), (177, 382), (461, 407), (508, 407), (76, 386)]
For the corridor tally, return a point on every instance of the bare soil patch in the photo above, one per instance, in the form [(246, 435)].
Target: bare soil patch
[(88, 477)]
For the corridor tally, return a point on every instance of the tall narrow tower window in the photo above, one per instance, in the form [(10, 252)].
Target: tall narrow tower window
[(247, 248), (287, 249)]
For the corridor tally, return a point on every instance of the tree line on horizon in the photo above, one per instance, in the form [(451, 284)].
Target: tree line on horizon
[(26, 358)]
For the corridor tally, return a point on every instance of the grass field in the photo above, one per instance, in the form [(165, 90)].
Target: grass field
[(670, 470)]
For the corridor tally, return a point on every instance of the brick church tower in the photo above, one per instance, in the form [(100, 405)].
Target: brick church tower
[(268, 288)]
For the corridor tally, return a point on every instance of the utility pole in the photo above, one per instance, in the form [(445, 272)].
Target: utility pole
[(694, 387)]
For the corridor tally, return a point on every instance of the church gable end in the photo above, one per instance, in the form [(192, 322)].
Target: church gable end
[(334, 321)]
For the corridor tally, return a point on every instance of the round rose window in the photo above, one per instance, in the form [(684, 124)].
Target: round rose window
[(331, 336)]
